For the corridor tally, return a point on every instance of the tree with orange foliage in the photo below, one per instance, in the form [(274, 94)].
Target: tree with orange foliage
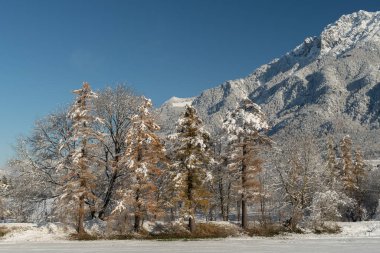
[(244, 127), (144, 159), (78, 181)]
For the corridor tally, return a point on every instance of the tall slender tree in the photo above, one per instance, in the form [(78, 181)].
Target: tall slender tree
[(144, 159), (245, 127), (78, 182), (191, 159), (348, 166)]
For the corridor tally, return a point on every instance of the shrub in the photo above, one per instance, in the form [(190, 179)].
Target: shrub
[(268, 230), (326, 228), (3, 231)]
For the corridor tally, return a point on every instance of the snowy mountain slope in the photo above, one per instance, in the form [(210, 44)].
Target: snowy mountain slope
[(170, 111), (330, 83)]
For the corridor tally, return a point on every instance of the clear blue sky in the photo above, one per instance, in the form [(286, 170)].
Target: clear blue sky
[(162, 48)]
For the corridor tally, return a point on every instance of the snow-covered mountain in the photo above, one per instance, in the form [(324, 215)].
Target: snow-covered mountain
[(170, 111), (330, 83)]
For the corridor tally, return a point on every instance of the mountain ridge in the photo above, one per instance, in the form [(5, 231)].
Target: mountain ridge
[(329, 83)]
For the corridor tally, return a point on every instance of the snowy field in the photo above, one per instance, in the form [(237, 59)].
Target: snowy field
[(362, 245), (362, 237)]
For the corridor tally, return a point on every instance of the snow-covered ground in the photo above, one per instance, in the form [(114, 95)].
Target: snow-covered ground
[(363, 237), (352, 245)]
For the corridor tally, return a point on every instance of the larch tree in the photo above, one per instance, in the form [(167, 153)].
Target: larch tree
[(144, 159), (347, 162), (332, 173), (192, 157), (245, 127), (78, 182)]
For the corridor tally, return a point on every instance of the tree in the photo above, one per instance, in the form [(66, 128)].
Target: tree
[(78, 184), (35, 178), (3, 190), (116, 107), (191, 159), (298, 165), (244, 127), (143, 157), (332, 172), (348, 166)]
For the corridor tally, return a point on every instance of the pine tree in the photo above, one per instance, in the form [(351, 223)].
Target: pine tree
[(143, 157), (191, 159), (78, 183), (244, 127)]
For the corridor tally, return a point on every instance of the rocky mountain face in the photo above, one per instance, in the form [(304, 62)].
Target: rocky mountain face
[(329, 84)]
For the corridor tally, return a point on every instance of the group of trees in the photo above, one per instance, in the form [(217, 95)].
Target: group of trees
[(105, 158)]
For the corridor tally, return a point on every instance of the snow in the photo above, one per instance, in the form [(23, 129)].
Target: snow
[(355, 237), (366, 245), (28, 232), (179, 102)]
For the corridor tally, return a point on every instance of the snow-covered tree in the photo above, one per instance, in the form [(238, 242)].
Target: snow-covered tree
[(326, 206), (3, 190), (78, 182), (348, 166), (116, 106), (332, 173), (34, 174), (245, 127), (353, 177), (191, 160), (144, 159), (298, 164)]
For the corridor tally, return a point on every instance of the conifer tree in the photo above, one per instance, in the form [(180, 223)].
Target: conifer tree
[(191, 159), (348, 167), (353, 175), (244, 127), (358, 168), (143, 157), (78, 182), (332, 174)]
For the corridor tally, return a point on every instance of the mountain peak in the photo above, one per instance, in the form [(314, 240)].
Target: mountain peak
[(349, 30)]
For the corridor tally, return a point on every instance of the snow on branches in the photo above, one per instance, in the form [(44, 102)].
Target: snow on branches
[(79, 182), (190, 166), (143, 157)]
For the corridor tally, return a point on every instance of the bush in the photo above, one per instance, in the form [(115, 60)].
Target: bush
[(3, 231), (202, 231), (83, 237), (268, 230), (326, 228)]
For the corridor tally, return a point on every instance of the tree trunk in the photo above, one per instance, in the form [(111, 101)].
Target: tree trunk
[(111, 183), (108, 196), (244, 214), (238, 206), (191, 202), (80, 228), (191, 225), (136, 226), (221, 199)]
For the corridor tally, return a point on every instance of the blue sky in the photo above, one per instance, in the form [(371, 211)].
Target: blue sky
[(162, 48)]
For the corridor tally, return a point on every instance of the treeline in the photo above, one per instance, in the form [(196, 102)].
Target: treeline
[(105, 158)]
